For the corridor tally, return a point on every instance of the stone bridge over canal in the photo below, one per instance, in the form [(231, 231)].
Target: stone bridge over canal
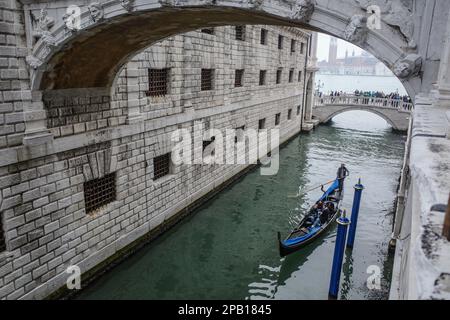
[(396, 112)]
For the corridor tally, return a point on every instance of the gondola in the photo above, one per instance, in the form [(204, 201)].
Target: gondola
[(310, 227)]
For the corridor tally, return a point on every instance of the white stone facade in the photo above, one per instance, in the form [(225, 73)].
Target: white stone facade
[(43, 202)]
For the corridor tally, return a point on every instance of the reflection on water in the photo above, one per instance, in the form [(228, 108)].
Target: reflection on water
[(228, 249)]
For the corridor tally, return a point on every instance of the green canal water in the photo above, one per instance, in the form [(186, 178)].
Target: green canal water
[(228, 248)]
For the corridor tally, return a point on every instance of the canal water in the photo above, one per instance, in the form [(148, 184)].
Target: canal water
[(228, 249)]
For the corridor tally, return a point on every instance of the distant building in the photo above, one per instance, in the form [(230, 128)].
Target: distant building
[(364, 64)]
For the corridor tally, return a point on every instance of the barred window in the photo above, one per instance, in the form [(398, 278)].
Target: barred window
[(279, 76), (302, 48), (289, 114), (207, 79), (208, 30), (238, 77), (291, 75), (293, 43), (157, 82), (298, 109), (240, 33), (161, 166), (262, 77), (263, 36), (300, 76), (277, 118), (99, 192), (2, 236), (280, 41), (262, 124)]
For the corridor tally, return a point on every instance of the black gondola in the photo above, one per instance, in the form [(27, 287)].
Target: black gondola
[(312, 226)]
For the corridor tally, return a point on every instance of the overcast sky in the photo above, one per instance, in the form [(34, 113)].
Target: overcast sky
[(324, 44)]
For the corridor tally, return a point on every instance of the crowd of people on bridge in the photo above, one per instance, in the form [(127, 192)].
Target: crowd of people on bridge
[(393, 99)]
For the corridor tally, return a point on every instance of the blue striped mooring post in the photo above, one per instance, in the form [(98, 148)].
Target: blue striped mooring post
[(355, 212), (338, 257)]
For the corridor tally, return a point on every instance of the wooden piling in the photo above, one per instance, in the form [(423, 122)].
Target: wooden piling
[(446, 230)]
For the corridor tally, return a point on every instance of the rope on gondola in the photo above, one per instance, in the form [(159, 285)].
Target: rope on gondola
[(304, 192)]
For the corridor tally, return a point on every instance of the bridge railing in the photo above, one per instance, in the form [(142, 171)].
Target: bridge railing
[(353, 100)]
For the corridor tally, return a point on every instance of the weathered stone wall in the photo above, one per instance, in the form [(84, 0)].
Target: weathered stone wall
[(14, 79), (43, 207)]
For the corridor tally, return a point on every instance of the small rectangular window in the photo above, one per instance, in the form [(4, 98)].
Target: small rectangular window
[(262, 77), (302, 48), (298, 109), (277, 118), (278, 80), (262, 124), (293, 44), (289, 116), (161, 166), (239, 134), (158, 82), (208, 30), (240, 33), (263, 37), (99, 192), (206, 143), (299, 76), (280, 41), (207, 79), (2, 236), (238, 77), (291, 75)]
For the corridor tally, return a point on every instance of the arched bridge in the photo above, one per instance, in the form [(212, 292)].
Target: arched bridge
[(395, 112)]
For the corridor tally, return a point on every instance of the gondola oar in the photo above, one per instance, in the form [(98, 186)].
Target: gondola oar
[(302, 193)]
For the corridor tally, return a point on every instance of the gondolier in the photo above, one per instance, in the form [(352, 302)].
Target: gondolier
[(342, 173)]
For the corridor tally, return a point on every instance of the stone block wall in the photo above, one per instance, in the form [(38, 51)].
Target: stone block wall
[(43, 201)]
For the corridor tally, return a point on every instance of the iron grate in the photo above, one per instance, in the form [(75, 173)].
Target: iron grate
[(207, 79), (99, 192), (161, 166), (240, 33), (263, 39), (157, 82)]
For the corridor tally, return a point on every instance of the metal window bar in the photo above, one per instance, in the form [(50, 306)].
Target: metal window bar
[(207, 79), (240, 33), (99, 192), (263, 36), (238, 77), (157, 82), (262, 124), (262, 77), (161, 166), (277, 118), (291, 75)]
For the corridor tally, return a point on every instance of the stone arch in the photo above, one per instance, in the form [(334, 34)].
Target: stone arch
[(374, 110), (92, 56)]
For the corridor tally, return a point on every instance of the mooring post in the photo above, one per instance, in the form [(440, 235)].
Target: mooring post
[(355, 212), (446, 230), (338, 257)]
